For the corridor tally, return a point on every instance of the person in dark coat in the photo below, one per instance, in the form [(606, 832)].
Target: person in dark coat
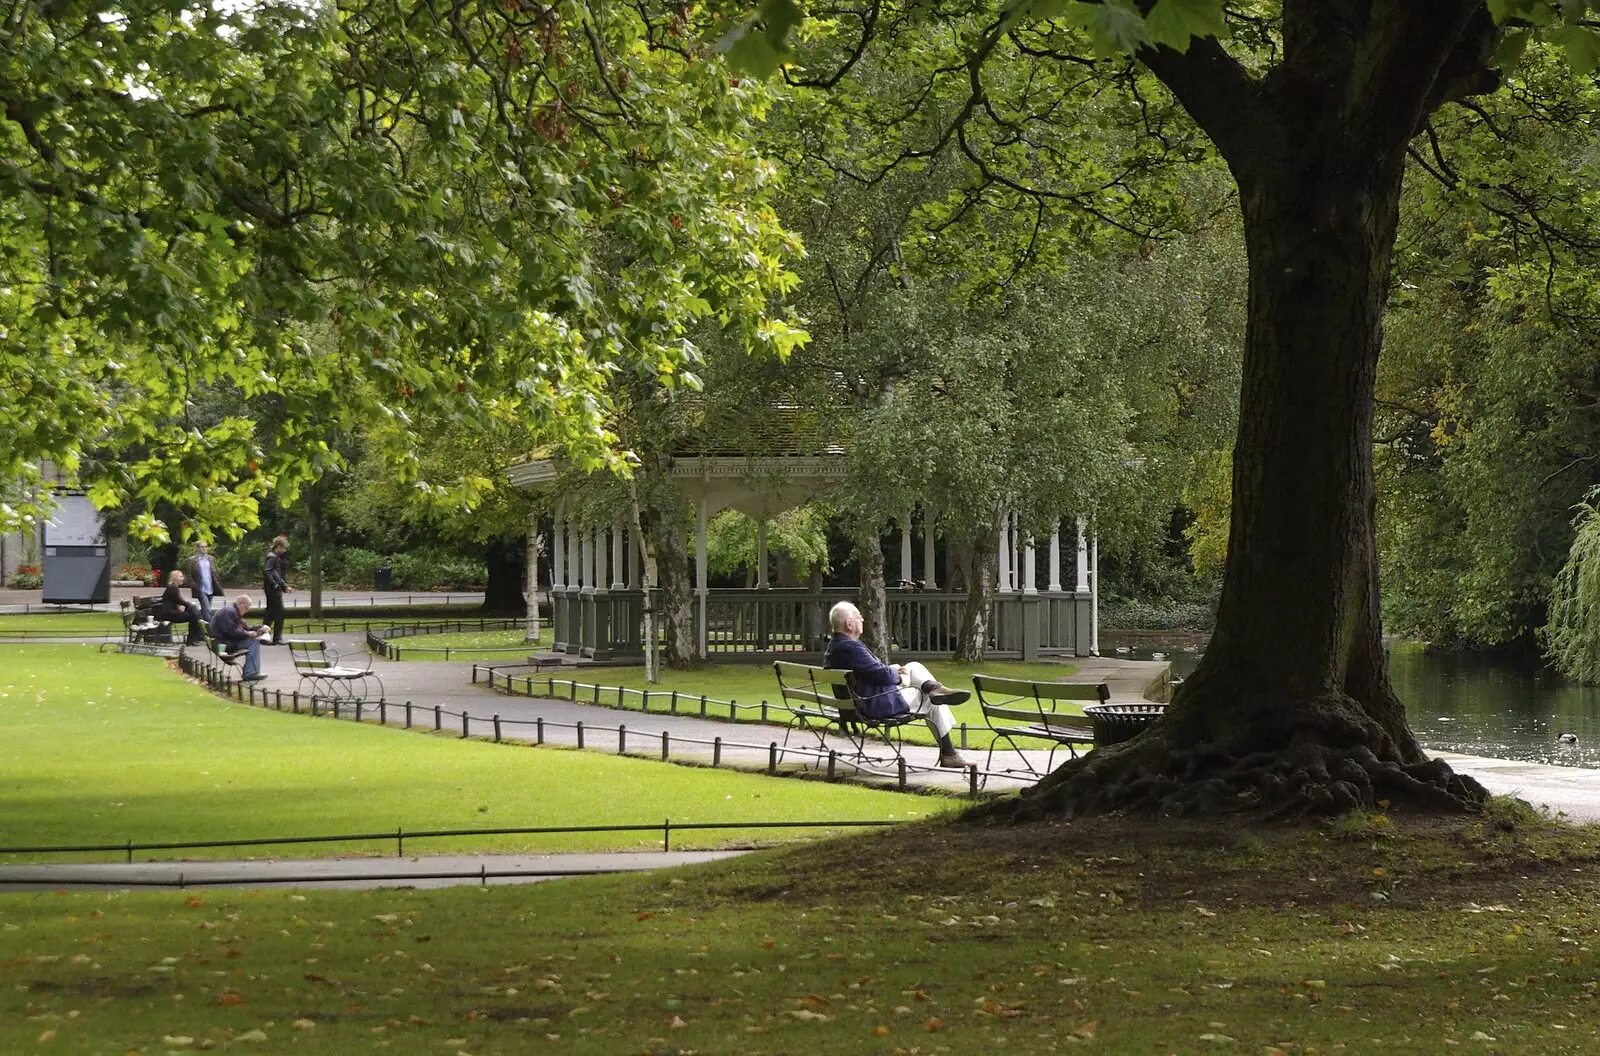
[(275, 581), (174, 609), (883, 690), (233, 635)]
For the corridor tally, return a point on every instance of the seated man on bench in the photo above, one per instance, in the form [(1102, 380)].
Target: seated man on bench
[(885, 690), (228, 628)]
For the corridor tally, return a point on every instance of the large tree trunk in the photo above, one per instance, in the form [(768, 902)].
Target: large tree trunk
[(974, 641), (648, 583), (502, 587), (681, 643), (1291, 708), (314, 531)]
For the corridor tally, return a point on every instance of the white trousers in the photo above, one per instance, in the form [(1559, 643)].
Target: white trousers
[(912, 678)]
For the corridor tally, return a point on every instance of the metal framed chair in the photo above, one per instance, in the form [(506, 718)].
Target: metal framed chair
[(823, 701), (1016, 708), (330, 676)]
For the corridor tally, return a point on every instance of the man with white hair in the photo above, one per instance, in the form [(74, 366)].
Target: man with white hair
[(228, 628), (886, 690)]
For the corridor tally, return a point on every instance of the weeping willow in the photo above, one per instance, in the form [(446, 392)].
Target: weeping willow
[(1572, 637)]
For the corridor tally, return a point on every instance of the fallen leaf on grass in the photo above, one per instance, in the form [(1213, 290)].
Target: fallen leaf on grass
[(251, 1035), (934, 1023), (1219, 1039), (806, 1015), (880, 1031), (1087, 1030), (304, 1024), (47, 1037), (677, 1023)]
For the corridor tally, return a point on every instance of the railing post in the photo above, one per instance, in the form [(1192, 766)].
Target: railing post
[(297, 702), (465, 725), (963, 736), (314, 706), (674, 702), (666, 742), (580, 733), (408, 714), (644, 699), (902, 773), (833, 759), (399, 842), (716, 752), (358, 711), (278, 703), (383, 713), (763, 710), (336, 707), (539, 730), (438, 718), (972, 779), (622, 739), (772, 758), (666, 836), (497, 728), (702, 705)]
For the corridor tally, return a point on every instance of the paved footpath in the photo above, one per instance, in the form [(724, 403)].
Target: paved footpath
[(441, 870)]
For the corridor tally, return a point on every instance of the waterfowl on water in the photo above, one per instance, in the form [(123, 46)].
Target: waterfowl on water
[(1567, 738)]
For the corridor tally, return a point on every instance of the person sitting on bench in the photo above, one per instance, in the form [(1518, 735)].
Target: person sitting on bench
[(174, 609), (228, 628), (883, 691)]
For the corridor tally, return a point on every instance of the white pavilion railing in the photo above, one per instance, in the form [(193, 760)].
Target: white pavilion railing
[(762, 623)]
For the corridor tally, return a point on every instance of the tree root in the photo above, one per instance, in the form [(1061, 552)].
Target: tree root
[(1325, 762)]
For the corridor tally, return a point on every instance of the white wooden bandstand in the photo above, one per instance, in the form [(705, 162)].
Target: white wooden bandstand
[(597, 600)]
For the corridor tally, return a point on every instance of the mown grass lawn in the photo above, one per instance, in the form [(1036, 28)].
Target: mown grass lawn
[(98, 748), (1106, 936), (61, 624), (750, 684), (492, 646)]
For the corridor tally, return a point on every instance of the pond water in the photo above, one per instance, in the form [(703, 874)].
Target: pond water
[(1458, 702)]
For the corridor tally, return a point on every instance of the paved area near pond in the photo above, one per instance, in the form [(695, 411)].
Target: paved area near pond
[(441, 870)]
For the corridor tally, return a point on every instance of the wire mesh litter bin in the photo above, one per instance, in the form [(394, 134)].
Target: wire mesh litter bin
[(1115, 723)]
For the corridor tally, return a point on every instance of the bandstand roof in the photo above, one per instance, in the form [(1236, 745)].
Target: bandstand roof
[(759, 461)]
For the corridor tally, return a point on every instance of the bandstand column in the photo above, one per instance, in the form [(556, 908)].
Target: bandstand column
[(616, 555), (586, 560), (1029, 586), (1055, 559), (1083, 558), (558, 548), (905, 547), (930, 581), (1003, 564), (1094, 601)]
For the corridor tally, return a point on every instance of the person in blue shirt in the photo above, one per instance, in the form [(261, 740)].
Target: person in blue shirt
[(228, 628), (885, 690), (204, 580)]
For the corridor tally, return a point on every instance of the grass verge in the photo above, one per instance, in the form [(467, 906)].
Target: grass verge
[(493, 646), (1458, 936), (98, 748)]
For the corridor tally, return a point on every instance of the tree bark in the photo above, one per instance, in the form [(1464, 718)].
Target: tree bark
[(669, 525), (502, 588), (874, 603), (314, 531), (1291, 709), (974, 641), (648, 583)]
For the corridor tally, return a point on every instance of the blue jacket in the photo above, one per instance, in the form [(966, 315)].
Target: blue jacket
[(877, 684), (227, 626)]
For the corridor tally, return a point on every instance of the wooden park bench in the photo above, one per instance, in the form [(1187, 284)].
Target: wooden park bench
[(823, 701), (1016, 708), (330, 677)]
